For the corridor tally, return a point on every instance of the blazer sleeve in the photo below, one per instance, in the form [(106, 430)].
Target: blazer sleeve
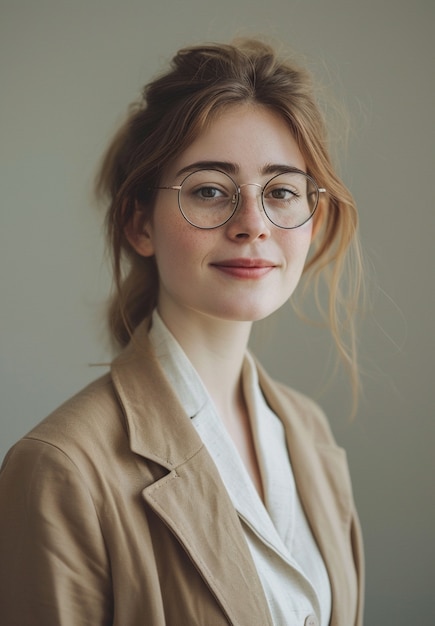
[(54, 569)]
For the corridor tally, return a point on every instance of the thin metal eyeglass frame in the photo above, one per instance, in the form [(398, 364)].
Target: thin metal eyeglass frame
[(238, 189)]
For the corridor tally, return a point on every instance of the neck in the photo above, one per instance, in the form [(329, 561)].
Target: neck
[(216, 349)]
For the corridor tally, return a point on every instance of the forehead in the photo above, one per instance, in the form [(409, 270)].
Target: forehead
[(248, 137)]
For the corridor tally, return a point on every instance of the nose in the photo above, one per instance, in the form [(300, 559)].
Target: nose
[(249, 221)]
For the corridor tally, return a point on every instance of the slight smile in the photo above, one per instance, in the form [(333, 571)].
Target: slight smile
[(244, 267)]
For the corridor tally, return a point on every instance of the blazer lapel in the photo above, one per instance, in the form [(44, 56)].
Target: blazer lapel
[(193, 503), (189, 496), (323, 483)]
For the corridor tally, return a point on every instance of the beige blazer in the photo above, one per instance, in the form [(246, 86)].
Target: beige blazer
[(112, 511)]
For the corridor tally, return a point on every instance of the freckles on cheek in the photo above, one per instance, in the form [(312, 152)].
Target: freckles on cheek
[(297, 242), (177, 248), (191, 242)]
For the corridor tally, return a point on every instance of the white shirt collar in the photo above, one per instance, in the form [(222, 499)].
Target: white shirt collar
[(180, 372)]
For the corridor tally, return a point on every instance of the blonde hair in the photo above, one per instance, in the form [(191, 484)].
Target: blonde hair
[(173, 111)]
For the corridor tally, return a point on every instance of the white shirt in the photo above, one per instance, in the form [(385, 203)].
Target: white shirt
[(283, 548)]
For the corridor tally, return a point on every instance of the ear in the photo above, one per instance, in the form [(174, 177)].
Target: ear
[(139, 233)]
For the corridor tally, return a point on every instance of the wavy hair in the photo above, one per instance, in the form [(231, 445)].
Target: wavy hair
[(173, 110)]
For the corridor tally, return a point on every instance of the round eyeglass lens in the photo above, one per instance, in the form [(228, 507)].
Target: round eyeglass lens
[(290, 199), (208, 198)]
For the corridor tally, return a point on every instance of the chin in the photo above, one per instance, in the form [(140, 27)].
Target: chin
[(247, 313)]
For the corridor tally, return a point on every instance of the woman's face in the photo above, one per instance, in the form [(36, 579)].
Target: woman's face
[(247, 268)]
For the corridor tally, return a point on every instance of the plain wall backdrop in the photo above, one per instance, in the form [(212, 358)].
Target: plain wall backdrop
[(69, 69)]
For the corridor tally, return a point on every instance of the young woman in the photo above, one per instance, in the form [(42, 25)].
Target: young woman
[(185, 486)]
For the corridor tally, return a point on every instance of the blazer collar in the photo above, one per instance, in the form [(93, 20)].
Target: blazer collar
[(158, 427)]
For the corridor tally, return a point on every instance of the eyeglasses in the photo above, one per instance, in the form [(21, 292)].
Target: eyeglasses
[(209, 198)]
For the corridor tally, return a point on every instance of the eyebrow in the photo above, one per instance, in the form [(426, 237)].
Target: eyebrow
[(224, 166), (232, 168)]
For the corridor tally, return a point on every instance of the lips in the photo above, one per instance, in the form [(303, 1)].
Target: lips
[(245, 267)]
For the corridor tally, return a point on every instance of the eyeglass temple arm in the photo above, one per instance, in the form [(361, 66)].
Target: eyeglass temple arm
[(176, 187)]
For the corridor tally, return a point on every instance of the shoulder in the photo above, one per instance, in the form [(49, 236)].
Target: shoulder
[(86, 425), (91, 408)]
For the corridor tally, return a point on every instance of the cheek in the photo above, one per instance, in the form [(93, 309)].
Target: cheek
[(176, 250), (296, 244)]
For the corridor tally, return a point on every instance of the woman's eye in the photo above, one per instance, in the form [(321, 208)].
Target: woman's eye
[(282, 193), (209, 192)]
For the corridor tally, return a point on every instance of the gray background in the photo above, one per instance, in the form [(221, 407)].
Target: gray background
[(68, 71)]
